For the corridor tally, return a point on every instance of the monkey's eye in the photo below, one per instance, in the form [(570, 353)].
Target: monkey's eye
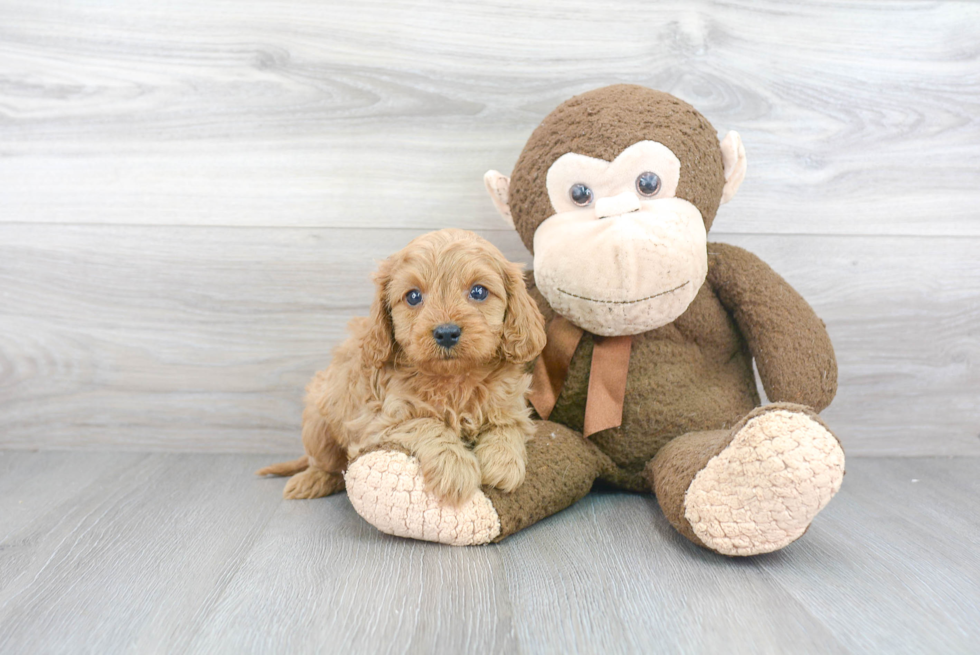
[(648, 184), (413, 297), (479, 292), (580, 194)]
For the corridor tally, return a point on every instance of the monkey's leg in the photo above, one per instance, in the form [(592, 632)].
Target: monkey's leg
[(387, 489), (752, 489)]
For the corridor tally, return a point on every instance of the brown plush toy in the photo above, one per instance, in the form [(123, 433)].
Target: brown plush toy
[(646, 382)]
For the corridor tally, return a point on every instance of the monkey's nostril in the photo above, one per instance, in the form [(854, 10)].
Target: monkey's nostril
[(624, 203), (447, 334)]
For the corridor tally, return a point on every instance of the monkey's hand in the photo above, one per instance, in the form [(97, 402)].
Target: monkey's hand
[(790, 344)]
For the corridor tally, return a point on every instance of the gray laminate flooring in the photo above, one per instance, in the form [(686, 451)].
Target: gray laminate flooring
[(146, 553)]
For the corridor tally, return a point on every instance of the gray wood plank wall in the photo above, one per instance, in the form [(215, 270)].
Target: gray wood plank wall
[(192, 194)]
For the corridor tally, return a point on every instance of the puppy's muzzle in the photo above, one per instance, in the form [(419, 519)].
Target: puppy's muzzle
[(447, 334)]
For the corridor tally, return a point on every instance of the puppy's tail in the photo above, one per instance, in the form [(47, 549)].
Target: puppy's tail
[(286, 468)]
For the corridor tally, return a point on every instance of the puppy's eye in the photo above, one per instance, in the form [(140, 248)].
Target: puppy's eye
[(648, 184), (413, 297), (580, 194), (479, 292)]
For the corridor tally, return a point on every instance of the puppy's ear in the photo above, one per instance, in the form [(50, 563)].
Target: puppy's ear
[(378, 346), (523, 334)]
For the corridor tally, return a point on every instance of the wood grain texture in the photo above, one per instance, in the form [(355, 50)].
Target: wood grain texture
[(329, 578), (928, 509), (859, 117), (202, 339), (611, 575), (191, 553), (32, 487), (136, 559), (192, 194)]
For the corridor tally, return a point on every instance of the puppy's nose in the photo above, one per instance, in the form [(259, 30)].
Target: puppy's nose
[(447, 334)]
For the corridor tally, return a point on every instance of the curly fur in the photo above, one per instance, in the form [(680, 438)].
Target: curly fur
[(461, 411)]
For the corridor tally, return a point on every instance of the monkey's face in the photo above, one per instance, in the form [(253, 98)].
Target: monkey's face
[(621, 254), (613, 193)]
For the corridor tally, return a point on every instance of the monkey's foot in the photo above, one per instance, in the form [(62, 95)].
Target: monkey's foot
[(762, 491), (387, 489)]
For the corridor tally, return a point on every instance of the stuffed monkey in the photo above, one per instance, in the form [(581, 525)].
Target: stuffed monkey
[(646, 382)]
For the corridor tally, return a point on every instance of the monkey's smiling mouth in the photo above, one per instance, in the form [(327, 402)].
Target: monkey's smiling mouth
[(623, 302)]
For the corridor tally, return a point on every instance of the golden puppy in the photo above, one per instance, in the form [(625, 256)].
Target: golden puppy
[(437, 370)]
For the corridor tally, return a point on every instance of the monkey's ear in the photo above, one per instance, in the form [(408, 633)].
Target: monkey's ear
[(378, 345), (499, 188), (733, 156), (523, 335)]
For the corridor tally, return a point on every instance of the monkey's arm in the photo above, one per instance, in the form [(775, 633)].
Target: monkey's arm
[(788, 341)]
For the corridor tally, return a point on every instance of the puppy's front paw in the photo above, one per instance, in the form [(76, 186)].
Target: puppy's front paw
[(453, 474), (501, 462)]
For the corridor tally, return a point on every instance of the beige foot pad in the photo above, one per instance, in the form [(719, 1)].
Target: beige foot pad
[(761, 492), (387, 489)]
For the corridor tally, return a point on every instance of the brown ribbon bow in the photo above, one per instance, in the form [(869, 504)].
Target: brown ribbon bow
[(607, 376)]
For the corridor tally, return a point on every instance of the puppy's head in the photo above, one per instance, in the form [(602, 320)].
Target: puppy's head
[(449, 301)]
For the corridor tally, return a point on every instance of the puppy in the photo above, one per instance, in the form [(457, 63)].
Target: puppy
[(437, 370)]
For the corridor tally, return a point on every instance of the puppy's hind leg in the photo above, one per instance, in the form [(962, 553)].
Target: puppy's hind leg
[(308, 481), (326, 458), (318, 473), (314, 482)]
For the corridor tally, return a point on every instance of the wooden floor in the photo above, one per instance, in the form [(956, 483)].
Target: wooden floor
[(172, 553)]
